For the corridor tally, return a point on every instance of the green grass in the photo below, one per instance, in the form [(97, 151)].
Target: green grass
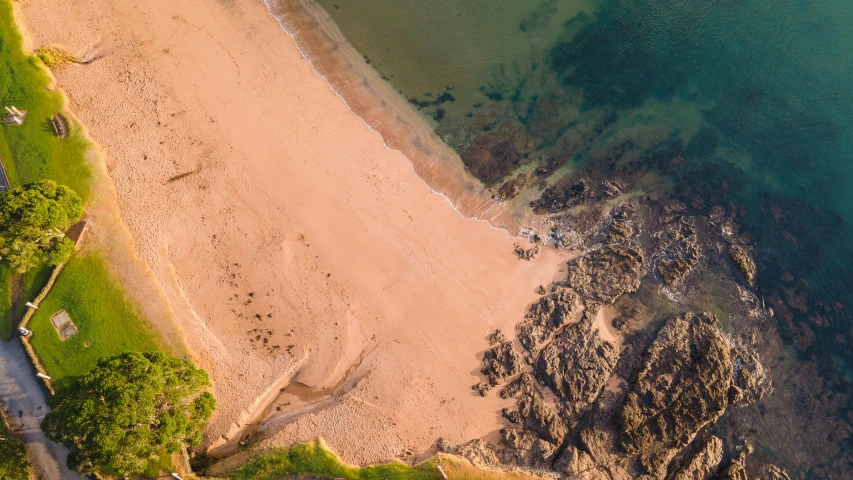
[(314, 459), (106, 320), (32, 152)]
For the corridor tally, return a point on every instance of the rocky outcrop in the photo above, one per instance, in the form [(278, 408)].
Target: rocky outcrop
[(577, 364), (545, 317), (604, 274), (525, 449), (533, 413), (500, 363), (751, 381), (704, 463), (743, 260), (736, 469), (678, 252), (683, 385)]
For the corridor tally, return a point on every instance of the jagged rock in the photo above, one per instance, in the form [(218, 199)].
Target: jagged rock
[(772, 472), (742, 258), (678, 254), (545, 317), (525, 449), (445, 446), (497, 337), (751, 381), (611, 189), (704, 463), (577, 364), (501, 362), (621, 224), (605, 274), (533, 412), (736, 470), (526, 253), (683, 385), (480, 453), (575, 463)]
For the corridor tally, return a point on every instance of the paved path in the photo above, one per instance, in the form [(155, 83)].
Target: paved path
[(26, 405)]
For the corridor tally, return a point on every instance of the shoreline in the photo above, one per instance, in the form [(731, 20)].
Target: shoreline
[(384, 111), (360, 253)]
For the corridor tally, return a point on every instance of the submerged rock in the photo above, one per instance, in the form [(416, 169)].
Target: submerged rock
[(577, 364), (742, 258), (545, 317), (603, 275), (682, 386), (736, 470)]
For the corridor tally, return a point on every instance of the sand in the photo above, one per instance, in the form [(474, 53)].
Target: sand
[(298, 245)]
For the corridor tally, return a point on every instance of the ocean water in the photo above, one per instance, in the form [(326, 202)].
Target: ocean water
[(746, 104)]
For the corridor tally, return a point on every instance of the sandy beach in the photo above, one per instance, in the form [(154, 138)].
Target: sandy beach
[(291, 243)]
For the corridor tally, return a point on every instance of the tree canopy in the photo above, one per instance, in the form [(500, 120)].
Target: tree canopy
[(33, 222), (120, 415)]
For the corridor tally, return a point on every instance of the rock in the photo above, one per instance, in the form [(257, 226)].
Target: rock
[(562, 197), (533, 412), (501, 362), (605, 274), (772, 472), (742, 258), (524, 449), (679, 252), (751, 381), (577, 364), (545, 317), (736, 470), (526, 253), (704, 463), (480, 453), (497, 337), (445, 446), (683, 384), (611, 189), (575, 463), (494, 155)]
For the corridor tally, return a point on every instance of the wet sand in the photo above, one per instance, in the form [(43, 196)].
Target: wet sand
[(290, 242)]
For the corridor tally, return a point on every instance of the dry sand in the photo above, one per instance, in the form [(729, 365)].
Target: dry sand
[(297, 228)]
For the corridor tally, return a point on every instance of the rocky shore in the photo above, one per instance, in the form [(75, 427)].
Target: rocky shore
[(673, 401)]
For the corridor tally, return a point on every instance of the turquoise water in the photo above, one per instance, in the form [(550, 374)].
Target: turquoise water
[(753, 97)]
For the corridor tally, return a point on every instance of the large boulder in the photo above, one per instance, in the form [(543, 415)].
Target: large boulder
[(534, 413), (604, 274), (577, 364), (683, 385), (545, 317)]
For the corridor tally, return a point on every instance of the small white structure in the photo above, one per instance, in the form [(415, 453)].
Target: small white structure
[(176, 476), (24, 332), (41, 375), (441, 471), (32, 305), (14, 116)]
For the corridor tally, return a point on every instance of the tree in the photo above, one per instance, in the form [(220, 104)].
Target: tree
[(13, 455), (117, 417), (33, 222)]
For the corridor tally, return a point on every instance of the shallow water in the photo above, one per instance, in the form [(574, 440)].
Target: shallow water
[(741, 104)]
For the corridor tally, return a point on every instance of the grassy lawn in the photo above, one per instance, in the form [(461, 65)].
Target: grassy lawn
[(108, 323), (32, 152), (314, 459), (106, 320)]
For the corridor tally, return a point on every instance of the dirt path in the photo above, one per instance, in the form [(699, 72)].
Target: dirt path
[(26, 406)]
